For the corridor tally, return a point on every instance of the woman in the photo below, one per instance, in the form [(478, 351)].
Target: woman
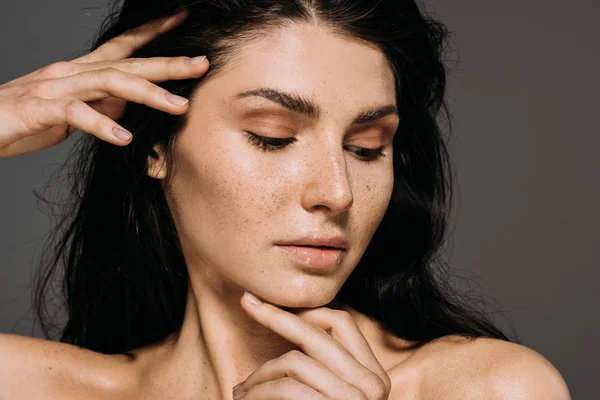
[(306, 168)]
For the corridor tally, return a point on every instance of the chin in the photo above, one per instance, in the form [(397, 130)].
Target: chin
[(309, 299)]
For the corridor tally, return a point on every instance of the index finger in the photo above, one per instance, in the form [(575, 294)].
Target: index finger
[(315, 342), (126, 43)]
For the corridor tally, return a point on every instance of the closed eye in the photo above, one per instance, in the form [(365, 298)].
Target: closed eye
[(272, 144)]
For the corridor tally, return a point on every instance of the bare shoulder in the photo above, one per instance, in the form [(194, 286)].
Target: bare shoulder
[(35, 368), (455, 367)]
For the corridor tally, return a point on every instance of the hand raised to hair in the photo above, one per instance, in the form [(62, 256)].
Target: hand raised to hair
[(340, 365), (43, 108)]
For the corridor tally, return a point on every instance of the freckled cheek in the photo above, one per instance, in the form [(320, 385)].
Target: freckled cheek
[(263, 188), (244, 188), (373, 199)]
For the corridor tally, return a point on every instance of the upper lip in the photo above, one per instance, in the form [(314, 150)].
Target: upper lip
[(318, 240)]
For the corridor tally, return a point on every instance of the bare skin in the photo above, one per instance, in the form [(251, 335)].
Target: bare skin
[(232, 203)]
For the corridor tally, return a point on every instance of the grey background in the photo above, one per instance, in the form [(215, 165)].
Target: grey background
[(524, 101)]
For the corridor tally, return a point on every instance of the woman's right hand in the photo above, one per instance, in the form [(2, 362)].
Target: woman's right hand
[(43, 108)]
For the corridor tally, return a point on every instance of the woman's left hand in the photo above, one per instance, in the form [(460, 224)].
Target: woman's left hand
[(340, 365)]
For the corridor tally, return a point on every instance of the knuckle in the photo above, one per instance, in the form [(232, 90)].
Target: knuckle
[(155, 91), (110, 72), (56, 70), (377, 388), (111, 77), (172, 64), (70, 108), (271, 363), (294, 355), (284, 382), (343, 316), (177, 62), (158, 91), (377, 394)]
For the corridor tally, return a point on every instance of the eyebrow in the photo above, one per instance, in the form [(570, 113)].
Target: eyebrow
[(304, 106)]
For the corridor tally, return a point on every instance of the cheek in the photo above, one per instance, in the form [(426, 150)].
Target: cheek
[(371, 200), (224, 182)]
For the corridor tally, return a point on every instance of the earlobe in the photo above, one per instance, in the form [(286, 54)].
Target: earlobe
[(157, 166)]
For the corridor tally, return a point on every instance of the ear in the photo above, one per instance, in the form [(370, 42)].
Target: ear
[(157, 166)]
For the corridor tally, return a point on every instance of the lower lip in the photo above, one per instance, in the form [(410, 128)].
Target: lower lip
[(317, 257)]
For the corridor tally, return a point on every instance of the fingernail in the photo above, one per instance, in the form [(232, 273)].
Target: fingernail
[(251, 299), (239, 385), (177, 100), (238, 395), (121, 134), (195, 60)]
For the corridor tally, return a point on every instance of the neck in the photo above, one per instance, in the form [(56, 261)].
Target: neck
[(219, 345), (221, 342)]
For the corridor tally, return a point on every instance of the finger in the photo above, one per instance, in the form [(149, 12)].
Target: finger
[(155, 69), (95, 85), (47, 113), (342, 327), (284, 388), (125, 44), (112, 107), (305, 370), (313, 341)]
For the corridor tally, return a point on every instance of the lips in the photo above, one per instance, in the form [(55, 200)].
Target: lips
[(318, 240), (317, 257), (318, 247)]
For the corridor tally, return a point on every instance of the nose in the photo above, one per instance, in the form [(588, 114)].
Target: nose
[(327, 182)]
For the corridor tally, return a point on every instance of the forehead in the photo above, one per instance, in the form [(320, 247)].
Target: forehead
[(336, 72)]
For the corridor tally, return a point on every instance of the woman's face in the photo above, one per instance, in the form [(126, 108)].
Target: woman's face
[(233, 201)]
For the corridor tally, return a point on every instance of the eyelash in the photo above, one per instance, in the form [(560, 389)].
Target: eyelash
[(272, 144)]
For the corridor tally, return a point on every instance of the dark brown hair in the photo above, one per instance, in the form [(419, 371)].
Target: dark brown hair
[(115, 253)]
